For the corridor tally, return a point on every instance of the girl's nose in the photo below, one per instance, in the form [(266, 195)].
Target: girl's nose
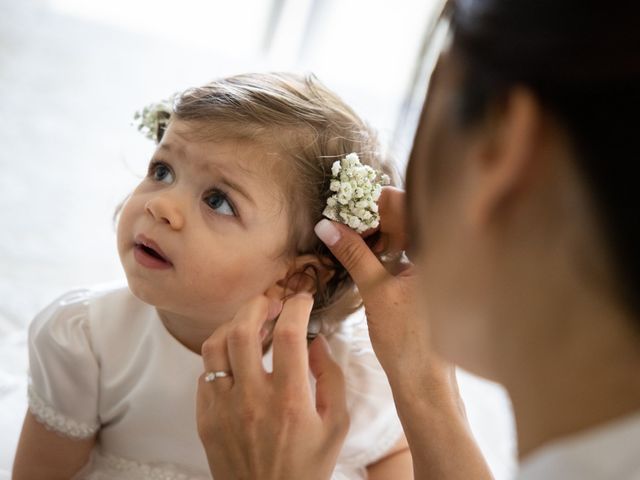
[(164, 209)]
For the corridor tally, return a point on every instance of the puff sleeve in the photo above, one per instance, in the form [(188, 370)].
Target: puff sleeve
[(63, 370)]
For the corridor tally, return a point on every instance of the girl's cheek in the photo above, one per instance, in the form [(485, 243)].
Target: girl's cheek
[(237, 274)]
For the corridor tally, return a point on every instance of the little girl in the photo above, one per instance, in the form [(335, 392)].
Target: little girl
[(242, 172)]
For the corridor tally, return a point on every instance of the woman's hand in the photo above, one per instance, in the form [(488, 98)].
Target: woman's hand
[(399, 335), (259, 425), (424, 387)]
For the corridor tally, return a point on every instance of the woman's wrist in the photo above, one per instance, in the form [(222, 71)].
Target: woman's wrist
[(434, 418), (432, 389)]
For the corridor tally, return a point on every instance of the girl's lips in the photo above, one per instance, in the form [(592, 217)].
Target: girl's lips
[(148, 253), (147, 259)]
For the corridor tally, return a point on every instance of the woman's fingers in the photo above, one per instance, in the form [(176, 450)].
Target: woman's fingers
[(216, 359), (352, 252), (290, 356), (247, 432), (244, 341), (391, 207)]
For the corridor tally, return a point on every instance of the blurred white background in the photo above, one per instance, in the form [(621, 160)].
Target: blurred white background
[(72, 72)]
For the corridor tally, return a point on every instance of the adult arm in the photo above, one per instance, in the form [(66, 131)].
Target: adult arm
[(424, 387)]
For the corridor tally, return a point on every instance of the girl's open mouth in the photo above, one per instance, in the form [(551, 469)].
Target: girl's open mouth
[(149, 257)]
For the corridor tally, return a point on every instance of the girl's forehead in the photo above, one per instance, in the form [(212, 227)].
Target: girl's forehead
[(247, 166), (248, 157)]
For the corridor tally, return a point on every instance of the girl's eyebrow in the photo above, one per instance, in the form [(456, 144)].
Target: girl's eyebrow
[(238, 189), (229, 183)]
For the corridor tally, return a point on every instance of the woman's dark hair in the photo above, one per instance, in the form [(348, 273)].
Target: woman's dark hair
[(581, 59)]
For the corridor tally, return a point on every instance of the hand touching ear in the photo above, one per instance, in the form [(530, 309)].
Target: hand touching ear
[(256, 425), (306, 274)]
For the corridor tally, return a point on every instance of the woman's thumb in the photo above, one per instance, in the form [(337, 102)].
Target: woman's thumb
[(352, 252)]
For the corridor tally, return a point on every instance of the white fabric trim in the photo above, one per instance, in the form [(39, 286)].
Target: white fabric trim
[(108, 466), (58, 422)]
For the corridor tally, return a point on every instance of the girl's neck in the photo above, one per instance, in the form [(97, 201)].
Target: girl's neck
[(185, 330), (587, 379)]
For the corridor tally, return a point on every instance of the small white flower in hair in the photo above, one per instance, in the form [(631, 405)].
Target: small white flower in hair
[(153, 119), (356, 188)]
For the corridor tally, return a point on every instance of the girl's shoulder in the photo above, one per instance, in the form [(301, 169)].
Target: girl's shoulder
[(83, 312), (70, 341), (65, 318)]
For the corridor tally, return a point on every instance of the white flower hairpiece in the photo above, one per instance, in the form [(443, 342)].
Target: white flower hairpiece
[(153, 119), (357, 188)]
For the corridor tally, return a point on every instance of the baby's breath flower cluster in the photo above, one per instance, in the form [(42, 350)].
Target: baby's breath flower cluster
[(153, 119), (357, 188)]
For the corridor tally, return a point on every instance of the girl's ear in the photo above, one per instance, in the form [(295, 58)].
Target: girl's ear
[(307, 273)]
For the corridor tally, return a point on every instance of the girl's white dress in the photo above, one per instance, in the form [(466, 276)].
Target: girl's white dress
[(101, 361)]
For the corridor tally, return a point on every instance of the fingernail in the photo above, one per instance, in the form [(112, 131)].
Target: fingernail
[(327, 232)]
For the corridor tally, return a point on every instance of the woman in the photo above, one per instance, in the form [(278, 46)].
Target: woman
[(523, 229)]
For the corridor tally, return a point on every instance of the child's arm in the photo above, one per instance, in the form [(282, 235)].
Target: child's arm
[(397, 464), (60, 427), (46, 455)]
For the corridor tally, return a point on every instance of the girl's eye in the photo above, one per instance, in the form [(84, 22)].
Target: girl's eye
[(219, 202), (161, 173)]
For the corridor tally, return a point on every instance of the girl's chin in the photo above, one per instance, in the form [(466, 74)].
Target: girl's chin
[(150, 294)]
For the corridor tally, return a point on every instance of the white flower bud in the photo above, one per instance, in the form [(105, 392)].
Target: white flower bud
[(354, 222), (352, 159), (346, 188), (377, 190), (330, 213), (357, 187), (335, 168)]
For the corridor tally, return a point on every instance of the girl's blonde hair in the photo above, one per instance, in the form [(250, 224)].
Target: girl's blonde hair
[(312, 127)]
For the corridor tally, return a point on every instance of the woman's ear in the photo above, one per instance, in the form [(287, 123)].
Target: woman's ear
[(307, 273), (507, 155)]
